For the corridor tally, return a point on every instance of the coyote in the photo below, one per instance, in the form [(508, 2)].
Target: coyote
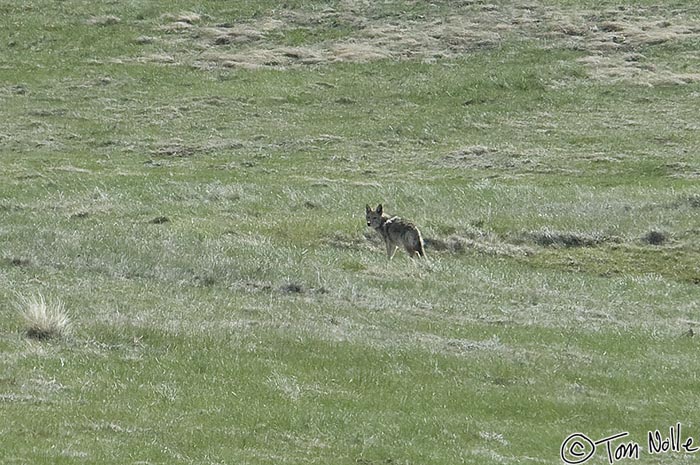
[(396, 232)]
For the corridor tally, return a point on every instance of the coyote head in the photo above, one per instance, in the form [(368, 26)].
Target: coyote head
[(374, 217)]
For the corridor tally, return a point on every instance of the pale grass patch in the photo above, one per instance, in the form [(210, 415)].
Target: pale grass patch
[(288, 385), (188, 17), (162, 58), (614, 68), (104, 20), (44, 320), (493, 437), (358, 53)]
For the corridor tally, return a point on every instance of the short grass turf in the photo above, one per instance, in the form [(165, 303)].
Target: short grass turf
[(189, 180)]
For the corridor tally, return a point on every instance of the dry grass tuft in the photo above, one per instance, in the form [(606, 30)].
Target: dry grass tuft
[(270, 41), (559, 239), (106, 20), (482, 243), (359, 53), (160, 58), (44, 320), (188, 17), (634, 68), (175, 149)]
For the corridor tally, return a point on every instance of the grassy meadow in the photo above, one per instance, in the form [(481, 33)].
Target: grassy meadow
[(189, 179)]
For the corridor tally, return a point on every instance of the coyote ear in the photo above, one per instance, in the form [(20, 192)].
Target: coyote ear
[(379, 208), (369, 209)]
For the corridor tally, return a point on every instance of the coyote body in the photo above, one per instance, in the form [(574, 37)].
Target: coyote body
[(396, 232)]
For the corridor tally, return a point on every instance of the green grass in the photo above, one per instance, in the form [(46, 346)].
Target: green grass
[(190, 182)]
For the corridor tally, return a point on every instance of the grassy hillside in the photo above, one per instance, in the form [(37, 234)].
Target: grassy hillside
[(189, 181)]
